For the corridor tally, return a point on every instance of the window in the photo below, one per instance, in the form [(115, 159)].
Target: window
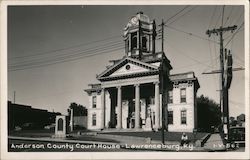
[(184, 117), (94, 119), (170, 117), (126, 46), (170, 97), (144, 43), (94, 101), (134, 41), (183, 95), (127, 67)]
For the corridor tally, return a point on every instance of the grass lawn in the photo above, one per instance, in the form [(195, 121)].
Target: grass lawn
[(169, 136), (48, 133), (32, 133)]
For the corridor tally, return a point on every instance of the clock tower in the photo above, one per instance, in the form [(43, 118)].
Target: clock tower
[(139, 36)]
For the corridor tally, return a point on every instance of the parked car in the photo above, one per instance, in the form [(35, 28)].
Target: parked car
[(28, 126), (237, 135), (51, 126)]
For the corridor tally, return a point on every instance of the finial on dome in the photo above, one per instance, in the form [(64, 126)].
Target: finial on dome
[(140, 12)]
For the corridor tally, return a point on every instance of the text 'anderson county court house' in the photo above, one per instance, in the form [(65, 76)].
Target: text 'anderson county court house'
[(129, 95)]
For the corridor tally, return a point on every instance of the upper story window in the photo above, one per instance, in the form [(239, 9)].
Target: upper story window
[(170, 97), (133, 41), (183, 117), (127, 45), (183, 95), (94, 102)]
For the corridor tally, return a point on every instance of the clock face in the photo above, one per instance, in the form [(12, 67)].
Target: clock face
[(134, 20)]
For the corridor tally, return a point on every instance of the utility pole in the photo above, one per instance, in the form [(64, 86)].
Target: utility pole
[(162, 35), (224, 90), (162, 84)]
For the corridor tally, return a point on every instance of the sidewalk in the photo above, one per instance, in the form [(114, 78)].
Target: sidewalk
[(214, 143)]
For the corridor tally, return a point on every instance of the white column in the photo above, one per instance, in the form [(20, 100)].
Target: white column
[(119, 107), (157, 105), (137, 106), (71, 120), (103, 108)]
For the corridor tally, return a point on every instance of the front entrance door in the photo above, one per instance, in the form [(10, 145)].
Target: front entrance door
[(131, 114)]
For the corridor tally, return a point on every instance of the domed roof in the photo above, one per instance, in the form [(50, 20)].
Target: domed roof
[(134, 21), (142, 17)]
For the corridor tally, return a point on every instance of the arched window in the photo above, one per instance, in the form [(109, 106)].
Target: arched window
[(60, 124), (144, 43), (126, 45), (134, 43)]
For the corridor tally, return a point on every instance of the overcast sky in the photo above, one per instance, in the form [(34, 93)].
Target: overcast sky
[(54, 52)]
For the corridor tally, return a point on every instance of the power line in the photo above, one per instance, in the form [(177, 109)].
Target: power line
[(66, 60), (196, 64), (79, 54), (65, 48), (75, 53), (191, 34), (176, 14), (45, 62), (234, 34), (213, 66), (219, 17), (239, 18), (181, 52), (182, 15), (229, 15), (212, 16)]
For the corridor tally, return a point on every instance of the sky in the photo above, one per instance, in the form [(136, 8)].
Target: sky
[(54, 52)]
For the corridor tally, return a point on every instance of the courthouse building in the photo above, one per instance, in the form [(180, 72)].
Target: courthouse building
[(131, 89)]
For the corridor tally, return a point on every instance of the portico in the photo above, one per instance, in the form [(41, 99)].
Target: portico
[(132, 102)]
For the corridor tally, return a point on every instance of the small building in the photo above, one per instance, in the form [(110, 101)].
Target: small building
[(26, 116), (129, 95)]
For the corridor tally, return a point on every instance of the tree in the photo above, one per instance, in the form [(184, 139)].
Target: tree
[(208, 113), (241, 119), (232, 121), (78, 110)]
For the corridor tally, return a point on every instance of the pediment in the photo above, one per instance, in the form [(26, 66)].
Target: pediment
[(127, 66)]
